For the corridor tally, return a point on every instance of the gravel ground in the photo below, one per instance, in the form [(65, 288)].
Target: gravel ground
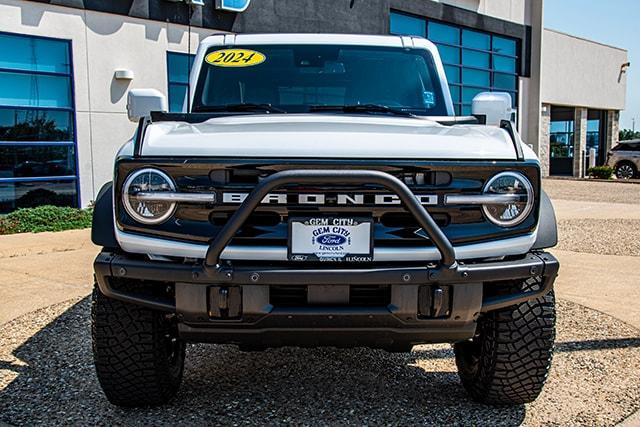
[(47, 377), (600, 236), (610, 192)]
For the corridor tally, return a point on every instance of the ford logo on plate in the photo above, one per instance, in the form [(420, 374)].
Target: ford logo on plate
[(331, 239)]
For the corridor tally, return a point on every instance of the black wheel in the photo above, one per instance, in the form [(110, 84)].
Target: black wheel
[(508, 360), (626, 170), (138, 358)]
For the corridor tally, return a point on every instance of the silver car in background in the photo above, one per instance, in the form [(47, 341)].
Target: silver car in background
[(625, 159)]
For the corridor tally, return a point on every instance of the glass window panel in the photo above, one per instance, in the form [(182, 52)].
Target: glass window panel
[(18, 161), (468, 93), (177, 96), (593, 125), (475, 77), (34, 54), (455, 93), (35, 125), (444, 33), (466, 110), (561, 127), (449, 55), (475, 59), (504, 46), (453, 73), (179, 67), (476, 40), (503, 63), (457, 109), (504, 81), (32, 90), (407, 25), (17, 195)]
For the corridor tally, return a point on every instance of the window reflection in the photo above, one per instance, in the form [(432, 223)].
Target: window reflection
[(474, 61), (35, 125), (37, 135), (178, 68), (16, 195)]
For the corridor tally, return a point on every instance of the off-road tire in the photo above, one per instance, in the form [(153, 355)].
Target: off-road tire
[(508, 360), (138, 359)]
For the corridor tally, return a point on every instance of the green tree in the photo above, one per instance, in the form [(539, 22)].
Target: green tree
[(627, 134)]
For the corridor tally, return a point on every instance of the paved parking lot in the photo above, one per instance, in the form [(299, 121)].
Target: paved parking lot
[(47, 377)]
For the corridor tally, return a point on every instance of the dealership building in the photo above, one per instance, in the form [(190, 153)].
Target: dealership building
[(66, 67)]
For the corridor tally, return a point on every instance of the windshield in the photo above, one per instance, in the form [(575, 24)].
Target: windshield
[(301, 78)]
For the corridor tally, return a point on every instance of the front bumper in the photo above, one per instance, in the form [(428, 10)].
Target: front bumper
[(260, 323), (226, 303)]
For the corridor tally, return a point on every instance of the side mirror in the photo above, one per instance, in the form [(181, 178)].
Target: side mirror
[(493, 106), (141, 102)]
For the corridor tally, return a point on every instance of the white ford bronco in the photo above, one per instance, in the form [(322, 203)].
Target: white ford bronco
[(318, 190)]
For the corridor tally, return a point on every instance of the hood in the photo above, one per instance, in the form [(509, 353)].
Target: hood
[(327, 136)]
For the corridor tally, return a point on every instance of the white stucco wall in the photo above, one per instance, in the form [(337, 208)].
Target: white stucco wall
[(102, 43), (579, 72), (508, 10)]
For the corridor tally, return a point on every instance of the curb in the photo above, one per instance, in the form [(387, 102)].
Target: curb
[(631, 421), (610, 181)]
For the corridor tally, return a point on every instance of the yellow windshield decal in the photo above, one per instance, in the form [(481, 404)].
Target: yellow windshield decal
[(235, 58)]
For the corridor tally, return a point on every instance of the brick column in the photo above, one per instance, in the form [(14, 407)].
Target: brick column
[(579, 141), (545, 140), (613, 129)]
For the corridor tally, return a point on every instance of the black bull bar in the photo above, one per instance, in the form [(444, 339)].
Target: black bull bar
[(211, 271)]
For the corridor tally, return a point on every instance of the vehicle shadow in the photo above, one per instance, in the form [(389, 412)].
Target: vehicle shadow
[(54, 382)]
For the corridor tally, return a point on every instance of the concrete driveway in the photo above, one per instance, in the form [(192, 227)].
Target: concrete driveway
[(38, 270)]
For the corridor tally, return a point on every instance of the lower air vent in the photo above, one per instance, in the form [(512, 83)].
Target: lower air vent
[(359, 296)]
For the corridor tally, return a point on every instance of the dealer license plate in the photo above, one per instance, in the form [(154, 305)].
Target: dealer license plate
[(331, 239)]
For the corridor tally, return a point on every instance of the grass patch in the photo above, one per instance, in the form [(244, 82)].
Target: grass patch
[(45, 218)]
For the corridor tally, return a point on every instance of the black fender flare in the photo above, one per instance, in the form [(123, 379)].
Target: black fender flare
[(102, 232), (547, 226)]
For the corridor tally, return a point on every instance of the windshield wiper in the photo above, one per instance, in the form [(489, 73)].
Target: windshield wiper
[(362, 108), (246, 106)]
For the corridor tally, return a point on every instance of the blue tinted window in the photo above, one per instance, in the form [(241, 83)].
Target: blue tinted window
[(407, 25), (475, 59), (504, 46), (444, 33), (449, 55), (476, 40), (34, 54), (34, 90), (469, 93), (37, 132), (504, 63), (178, 69), (504, 81), (177, 96), (455, 93), (475, 77), (453, 73)]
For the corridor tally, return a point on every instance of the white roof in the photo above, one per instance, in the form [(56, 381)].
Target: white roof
[(317, 38)]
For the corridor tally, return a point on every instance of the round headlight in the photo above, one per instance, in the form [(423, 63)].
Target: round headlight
[(513, 199), (142, 209)]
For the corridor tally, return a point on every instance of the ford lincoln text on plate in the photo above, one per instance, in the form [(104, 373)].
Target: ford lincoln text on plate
[(320, 192)]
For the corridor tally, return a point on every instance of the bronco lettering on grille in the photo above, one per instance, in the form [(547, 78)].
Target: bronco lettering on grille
[(322, 199)]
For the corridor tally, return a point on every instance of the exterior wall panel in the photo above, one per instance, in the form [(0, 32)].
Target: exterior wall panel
[(582, 73)]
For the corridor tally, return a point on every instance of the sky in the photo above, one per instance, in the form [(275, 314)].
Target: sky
[(613, 22)]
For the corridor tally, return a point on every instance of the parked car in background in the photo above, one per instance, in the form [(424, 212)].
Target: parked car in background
[(625, 159)]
